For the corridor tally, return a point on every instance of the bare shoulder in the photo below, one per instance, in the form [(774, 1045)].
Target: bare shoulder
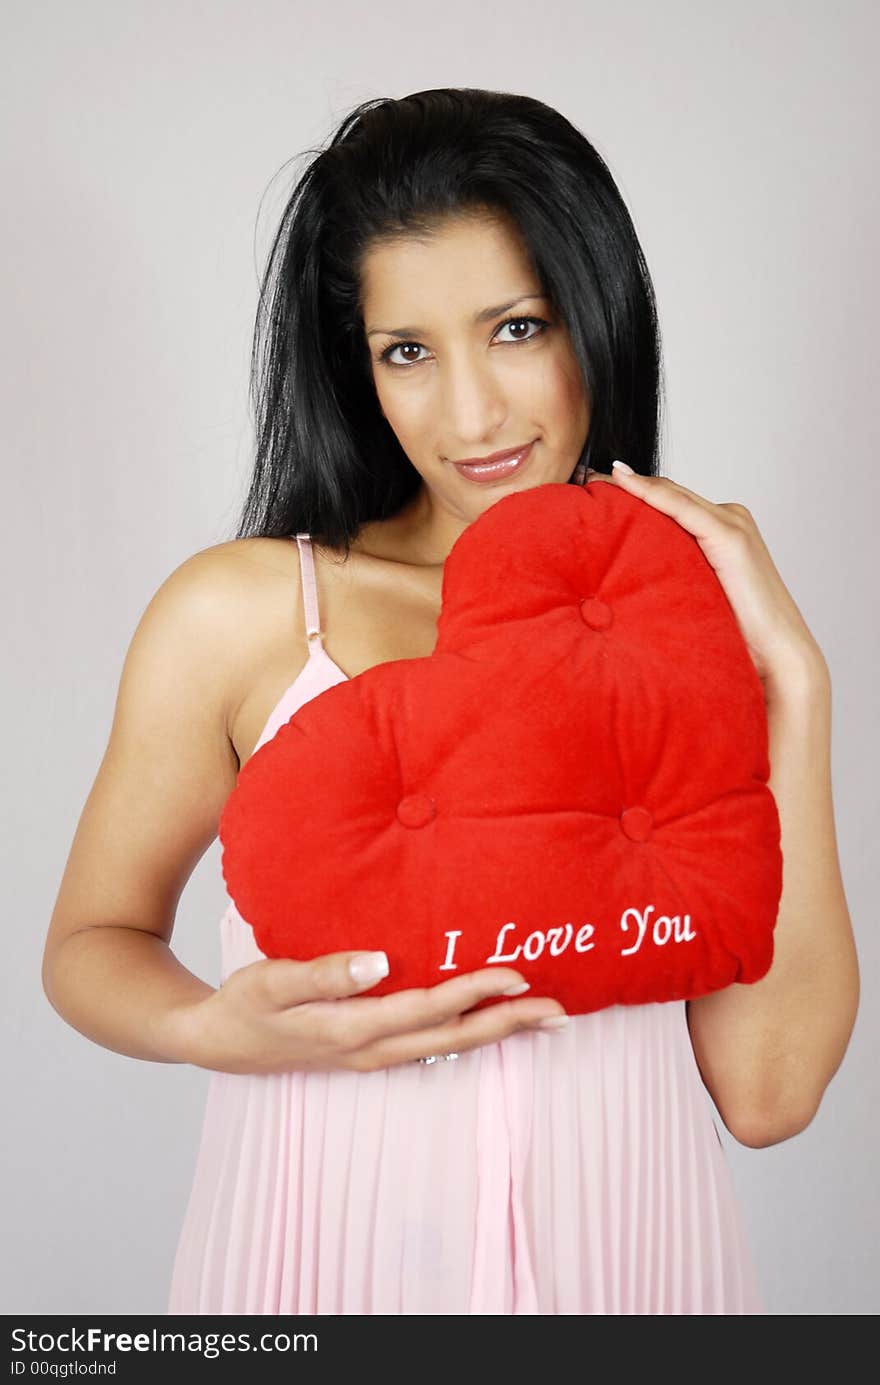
[(170, 764), (372, 607), (230, 605), (253, 589)]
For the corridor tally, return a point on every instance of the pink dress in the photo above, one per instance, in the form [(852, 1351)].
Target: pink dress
[(574, 1172)]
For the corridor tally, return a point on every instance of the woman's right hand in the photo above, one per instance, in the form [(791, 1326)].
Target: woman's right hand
[(279, 1015)]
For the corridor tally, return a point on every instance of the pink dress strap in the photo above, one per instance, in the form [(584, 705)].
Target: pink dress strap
[(310, 593)]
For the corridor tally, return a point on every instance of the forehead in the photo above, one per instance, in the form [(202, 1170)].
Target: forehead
[(470, 261)]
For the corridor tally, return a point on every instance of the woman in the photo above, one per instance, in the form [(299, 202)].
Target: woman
[(455, 277)]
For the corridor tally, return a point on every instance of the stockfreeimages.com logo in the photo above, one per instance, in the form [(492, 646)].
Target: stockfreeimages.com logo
[(94, 1340)]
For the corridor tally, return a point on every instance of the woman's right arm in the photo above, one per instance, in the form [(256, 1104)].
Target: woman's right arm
[(152, 812)]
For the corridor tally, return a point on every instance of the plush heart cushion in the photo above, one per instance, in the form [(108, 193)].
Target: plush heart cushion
[(574, 783)]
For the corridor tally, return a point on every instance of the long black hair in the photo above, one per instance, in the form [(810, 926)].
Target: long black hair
[(327, 461)]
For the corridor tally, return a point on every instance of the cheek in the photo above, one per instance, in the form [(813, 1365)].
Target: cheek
[(565, 400), (399, 407)]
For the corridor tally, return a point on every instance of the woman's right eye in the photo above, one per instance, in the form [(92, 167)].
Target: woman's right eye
[(398, 346)]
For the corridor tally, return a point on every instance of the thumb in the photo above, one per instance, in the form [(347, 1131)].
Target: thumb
[(329, 977), (364, 969)]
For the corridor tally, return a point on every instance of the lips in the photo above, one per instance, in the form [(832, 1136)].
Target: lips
[(493, 456), (497, 465)]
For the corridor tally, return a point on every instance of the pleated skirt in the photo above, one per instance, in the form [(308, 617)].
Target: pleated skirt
[(576, 1172)]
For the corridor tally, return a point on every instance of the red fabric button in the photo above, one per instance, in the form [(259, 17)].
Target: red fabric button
[(416, 810), (595, 613), (637, 824)]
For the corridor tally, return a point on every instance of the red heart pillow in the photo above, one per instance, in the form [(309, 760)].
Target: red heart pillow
[(573, 783)]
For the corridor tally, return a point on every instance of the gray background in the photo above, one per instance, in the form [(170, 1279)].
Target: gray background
[(142, 143)]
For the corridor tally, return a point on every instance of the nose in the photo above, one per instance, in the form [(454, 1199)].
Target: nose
[(474, 403)]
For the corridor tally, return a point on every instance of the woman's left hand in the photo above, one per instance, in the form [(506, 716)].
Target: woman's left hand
[(776, 634)]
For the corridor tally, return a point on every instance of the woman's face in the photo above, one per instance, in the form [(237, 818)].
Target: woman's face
[(454, 379)]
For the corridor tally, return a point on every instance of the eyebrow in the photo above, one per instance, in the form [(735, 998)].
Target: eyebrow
[(485, 315)]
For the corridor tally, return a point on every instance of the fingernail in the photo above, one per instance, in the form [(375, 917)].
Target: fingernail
[(517, 989), (554, 1022), (368, 967), (622, 466)]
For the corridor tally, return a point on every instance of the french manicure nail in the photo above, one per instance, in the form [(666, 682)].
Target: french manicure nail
[(368, 967), (622, 466), (554, 1022), (517, 989)]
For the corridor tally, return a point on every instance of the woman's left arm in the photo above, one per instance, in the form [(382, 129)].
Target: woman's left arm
[(768, 1050)]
